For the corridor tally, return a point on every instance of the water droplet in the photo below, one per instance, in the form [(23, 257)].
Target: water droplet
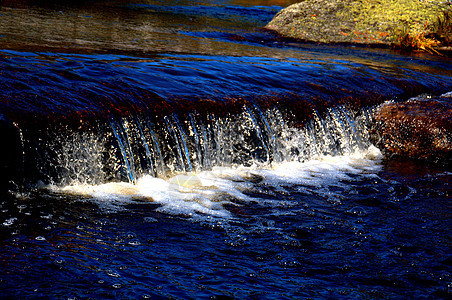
[(135, 243), (131, 235), (112, 273), (60, 245), (59, 261), (49, 216), (9, 222)]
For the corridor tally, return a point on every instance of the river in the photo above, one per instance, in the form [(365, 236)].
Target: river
[(174, 149)]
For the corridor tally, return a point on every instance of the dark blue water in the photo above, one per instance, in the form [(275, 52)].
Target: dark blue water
[(173, 149)]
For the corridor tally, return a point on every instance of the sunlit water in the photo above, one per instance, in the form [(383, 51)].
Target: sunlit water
[(173, 149)]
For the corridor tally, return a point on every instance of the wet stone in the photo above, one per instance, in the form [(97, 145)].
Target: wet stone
[(419, 128)]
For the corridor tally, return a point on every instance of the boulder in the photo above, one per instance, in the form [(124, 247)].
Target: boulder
[(406, 23), (418, 128)]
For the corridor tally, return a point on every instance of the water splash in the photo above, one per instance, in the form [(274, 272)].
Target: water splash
[(197, 144), (130, 147), (196, 165)]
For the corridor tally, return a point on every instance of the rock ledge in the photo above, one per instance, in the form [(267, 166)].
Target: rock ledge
[(418, 128)]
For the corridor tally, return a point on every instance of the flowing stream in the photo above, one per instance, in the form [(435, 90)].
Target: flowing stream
[(174, 149)]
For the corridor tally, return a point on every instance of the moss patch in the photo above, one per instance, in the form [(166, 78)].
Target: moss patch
[(416, 24)]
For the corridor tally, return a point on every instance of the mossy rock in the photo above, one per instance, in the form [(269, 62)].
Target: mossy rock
[(404, 23)]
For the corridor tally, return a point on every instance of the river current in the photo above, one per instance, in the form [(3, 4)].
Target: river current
[(174, 149)]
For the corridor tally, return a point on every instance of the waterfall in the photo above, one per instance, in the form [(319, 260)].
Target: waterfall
[(128, 147)]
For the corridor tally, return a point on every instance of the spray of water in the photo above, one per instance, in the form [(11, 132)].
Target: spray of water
[(197, 165)]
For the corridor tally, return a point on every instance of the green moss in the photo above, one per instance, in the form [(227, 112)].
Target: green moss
[(394, 16), (390, 22), (441, 28)]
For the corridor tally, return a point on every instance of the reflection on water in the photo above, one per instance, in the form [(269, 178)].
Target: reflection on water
[(140, 26)]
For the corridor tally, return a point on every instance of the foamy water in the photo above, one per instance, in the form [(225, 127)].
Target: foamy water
[(209, 192)]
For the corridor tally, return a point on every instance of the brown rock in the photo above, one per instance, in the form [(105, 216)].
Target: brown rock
[(418, 128)]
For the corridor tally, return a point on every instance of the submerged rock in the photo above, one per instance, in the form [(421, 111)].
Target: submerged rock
[(384, 22), (418, 128)]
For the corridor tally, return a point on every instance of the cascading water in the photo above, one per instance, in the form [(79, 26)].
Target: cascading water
[(129, 147), (172, 149), (177, 160)]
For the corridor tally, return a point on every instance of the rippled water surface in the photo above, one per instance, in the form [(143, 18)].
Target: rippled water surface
[(174, 149)]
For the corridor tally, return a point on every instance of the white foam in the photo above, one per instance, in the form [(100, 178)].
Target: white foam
[(206, 193)]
